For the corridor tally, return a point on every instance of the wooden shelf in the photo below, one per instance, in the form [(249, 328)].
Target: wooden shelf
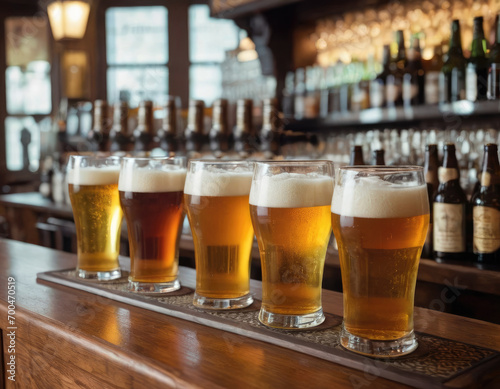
[(400, 116)]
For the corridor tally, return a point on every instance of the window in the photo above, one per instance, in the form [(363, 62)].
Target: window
[(137, 54), (209, 39), (28, 90)]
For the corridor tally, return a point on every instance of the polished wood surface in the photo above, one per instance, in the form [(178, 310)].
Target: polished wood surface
[(459, 289), (68, 338)]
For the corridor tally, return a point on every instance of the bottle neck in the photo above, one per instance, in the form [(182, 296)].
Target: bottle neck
[(478, 40), (455, 41)]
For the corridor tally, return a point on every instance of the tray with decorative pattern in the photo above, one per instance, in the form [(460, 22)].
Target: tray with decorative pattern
[(436, 363)]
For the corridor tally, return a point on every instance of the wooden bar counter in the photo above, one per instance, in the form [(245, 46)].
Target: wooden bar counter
[(67, 338)]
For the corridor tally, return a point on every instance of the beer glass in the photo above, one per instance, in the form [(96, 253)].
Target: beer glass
[(151, 199), (290, 210), (216, 199), (380, 217), (93, 190)]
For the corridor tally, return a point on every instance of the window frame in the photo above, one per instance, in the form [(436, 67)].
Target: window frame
[(178, 48), (18, 177)]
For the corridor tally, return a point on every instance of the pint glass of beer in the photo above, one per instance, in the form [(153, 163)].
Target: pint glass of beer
[(380, 217), (151, 198), (216, 199), (290, 210), (93, 190)]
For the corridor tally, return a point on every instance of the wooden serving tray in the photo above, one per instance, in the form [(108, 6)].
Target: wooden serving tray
[(437, 362)]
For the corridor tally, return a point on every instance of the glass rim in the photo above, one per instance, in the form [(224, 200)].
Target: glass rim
[(221, 162), (95, 157), (382, 168), (159, 158), (296, 162)]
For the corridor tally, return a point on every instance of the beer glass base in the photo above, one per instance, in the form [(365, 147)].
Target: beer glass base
[(378, 348), (276, 320), (100, 275), (153, 287), (229, 303)]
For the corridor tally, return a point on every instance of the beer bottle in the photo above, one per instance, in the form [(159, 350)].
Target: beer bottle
[(299, 94), (270, 133), (144, 134), (378, 157), (244, 137), (394, 87), (119, 137), (414, 77), (494, 75), (478, 66), (356, 156), (449, 211), (431, 166), (486, 212), (98, 136), (221, 137), (452, 77), (432, 71), (167, 134), (377, 86), (194, 132)]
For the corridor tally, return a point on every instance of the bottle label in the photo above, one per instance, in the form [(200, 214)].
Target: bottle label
[(447, 174), (432, 87), (429, 177), (410, 89), (377, 92), (449, 228), (392, 90), (486, 238), (471, 84)]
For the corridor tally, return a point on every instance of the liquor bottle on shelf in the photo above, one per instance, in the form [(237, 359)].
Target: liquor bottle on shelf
[(311, 98), (119, 136), (452, 76), (449, 211), (144, 134), (486, 212), (394, 84), (167, 134), (221, 137), (270, 134), (432, 69), (414, 77), (299, 94), (245, 142), (98, 136), (431, 166), (356, 156), (377, 86), (334, 81), (288, 95), (360, 86), (378, 157), (194, 133), (494, 75), (478, 66)]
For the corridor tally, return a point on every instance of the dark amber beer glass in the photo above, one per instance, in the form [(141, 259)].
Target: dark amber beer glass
[(380, 217), (151, 191), (93, 190), (290, 209), (216, 199)]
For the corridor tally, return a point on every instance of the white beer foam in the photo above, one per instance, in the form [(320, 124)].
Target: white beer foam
[(218, 182), (94, 175), (292, 190), (143, 180), (371, 197)]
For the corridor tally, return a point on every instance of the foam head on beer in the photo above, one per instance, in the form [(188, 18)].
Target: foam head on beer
[(216, 182), (372, 197), (90, 175), (170, 178), (292, 190)]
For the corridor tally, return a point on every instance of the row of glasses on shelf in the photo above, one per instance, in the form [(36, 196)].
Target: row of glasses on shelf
[(379, 217)]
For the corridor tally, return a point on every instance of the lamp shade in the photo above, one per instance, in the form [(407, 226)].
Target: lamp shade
[(68, 18)]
